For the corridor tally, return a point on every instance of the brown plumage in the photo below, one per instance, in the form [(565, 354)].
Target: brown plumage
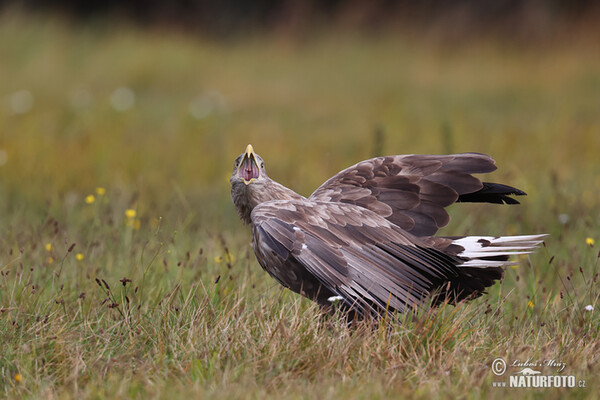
[(365, 237)]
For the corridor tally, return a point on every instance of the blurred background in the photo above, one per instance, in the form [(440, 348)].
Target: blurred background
[(124, 269), (153, 100)]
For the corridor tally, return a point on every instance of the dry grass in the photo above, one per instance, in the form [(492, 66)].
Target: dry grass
[(170, 303)]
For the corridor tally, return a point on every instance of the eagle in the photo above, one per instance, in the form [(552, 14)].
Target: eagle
[(365, 239)]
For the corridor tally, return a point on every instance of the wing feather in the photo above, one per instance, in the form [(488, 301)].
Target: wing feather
[(347, 250), (412, 191)]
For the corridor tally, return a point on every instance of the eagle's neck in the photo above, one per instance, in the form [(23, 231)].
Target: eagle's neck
[(246, 197)]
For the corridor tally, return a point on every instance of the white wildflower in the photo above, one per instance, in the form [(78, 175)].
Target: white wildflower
[(564, 219), (21, 102), (122, 99)]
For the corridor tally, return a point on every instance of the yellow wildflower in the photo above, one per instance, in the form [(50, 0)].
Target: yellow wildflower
[(511, 230), (89, 199), (133, 223), (130, 213), (50, 260), (18, 378), (79, 256), (590, 241), (228, 258), (530, 304), (48, 246), (154, 223), (100, 191)]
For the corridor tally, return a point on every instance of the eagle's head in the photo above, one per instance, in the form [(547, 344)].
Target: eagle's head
[(251, 186), (249, 167), (249, 182)]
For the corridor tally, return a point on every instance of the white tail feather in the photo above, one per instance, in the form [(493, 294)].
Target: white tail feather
[(477, 247), (487, 263)]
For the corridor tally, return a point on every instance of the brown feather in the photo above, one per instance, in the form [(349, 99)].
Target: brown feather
[(366, 233), (405, 183)]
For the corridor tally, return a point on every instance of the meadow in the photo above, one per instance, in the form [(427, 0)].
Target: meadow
[(125, 272)]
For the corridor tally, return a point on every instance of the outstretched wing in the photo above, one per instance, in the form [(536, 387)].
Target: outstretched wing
[(412, 190), (349, 250)]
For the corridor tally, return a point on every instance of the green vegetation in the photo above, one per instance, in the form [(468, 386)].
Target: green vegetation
[(161, 295)]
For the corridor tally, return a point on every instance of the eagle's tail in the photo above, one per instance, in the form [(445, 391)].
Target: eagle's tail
[(489, 251), (484, 260)]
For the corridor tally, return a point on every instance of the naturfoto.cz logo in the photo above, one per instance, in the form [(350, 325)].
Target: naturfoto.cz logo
[(527, 374)]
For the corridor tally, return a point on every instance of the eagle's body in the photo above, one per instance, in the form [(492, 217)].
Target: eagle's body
[(366, 235)]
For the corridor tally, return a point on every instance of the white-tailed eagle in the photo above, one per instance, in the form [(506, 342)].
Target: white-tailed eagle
[(365, 236)]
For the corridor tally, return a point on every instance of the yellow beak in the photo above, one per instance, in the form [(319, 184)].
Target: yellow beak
[(249, 150)]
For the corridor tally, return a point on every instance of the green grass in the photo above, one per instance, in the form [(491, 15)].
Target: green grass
[(199, 317)]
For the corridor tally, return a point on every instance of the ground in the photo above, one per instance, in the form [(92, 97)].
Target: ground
[(125, 272)]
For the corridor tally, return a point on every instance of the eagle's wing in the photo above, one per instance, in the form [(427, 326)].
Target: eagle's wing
[(351, 251), (412, 190)]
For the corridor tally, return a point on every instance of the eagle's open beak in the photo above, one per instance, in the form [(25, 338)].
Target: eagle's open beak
[(248, 169)]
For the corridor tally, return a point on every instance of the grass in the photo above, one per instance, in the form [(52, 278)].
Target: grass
[(97, 302)]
